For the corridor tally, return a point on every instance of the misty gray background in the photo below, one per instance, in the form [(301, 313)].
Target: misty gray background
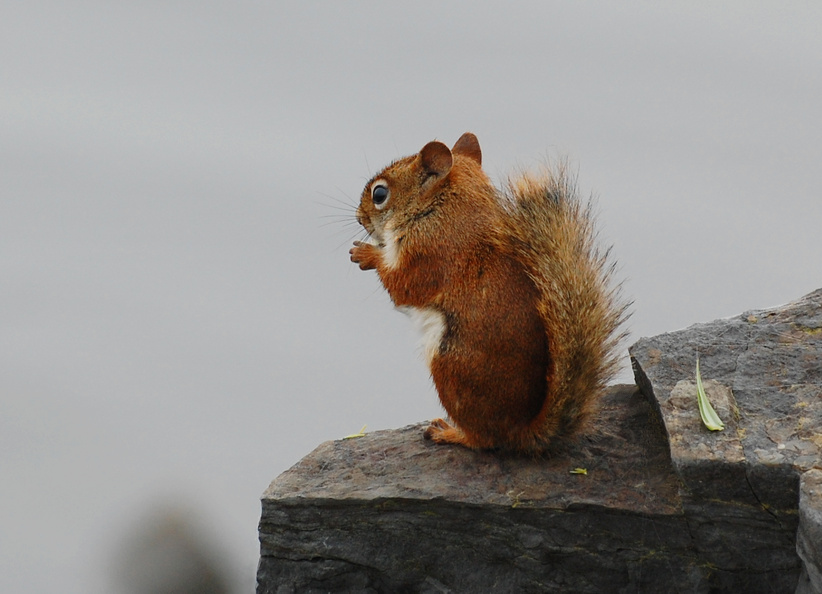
[(179, 321)]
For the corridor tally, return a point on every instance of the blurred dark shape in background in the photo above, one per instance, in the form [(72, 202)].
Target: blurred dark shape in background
[(167, 553)]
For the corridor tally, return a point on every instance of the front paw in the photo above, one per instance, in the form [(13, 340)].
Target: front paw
[(367, 255)]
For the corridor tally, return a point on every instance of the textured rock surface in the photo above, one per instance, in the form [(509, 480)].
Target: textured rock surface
[(764, 373), (665, 506), (390, 512), (809, 537)]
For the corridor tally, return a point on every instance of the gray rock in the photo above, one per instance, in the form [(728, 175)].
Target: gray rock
[(763, 371), (391, 512), (809, 536), (664, 506)]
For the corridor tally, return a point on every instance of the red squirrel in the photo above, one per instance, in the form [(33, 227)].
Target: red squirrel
[(519, 320)]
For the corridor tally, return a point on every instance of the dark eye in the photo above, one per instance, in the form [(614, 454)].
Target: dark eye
[(379, 195)]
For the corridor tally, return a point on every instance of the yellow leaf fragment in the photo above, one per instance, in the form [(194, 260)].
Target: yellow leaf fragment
[(355, 435), (579, 471)]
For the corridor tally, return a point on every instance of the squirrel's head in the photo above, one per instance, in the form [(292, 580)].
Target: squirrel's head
[(409, 188)]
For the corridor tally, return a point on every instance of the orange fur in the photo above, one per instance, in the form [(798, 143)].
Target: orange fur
[(530, 321)]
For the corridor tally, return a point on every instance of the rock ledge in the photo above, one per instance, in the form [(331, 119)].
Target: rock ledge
[(663, 506)]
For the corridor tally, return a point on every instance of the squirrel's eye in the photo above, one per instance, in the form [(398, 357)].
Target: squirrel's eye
[(379, 195)]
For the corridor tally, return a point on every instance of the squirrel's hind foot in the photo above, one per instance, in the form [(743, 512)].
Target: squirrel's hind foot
[(441, 431)]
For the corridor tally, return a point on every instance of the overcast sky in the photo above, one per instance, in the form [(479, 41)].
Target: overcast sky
[(180, 321)]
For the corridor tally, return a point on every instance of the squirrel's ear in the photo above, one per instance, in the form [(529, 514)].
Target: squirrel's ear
[(468, 145), (436, 158)]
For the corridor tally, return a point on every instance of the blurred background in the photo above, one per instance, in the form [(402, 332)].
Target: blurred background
[(179, 321)]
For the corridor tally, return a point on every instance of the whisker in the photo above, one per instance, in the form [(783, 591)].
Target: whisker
[(341, 217), (367, 166), (344, 228), (344, 208), (363, 235), (349, 201)]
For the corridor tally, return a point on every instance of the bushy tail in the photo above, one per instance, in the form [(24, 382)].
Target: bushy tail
[(553, 234)]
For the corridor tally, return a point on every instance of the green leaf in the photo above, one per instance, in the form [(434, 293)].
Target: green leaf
[(709, 417)]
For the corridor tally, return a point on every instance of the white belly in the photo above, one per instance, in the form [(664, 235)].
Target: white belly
[(431, 324)]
